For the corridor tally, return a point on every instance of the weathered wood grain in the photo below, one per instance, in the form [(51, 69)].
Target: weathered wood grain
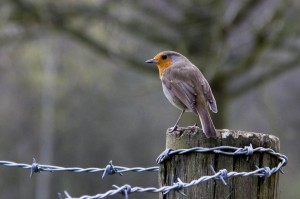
[(192, 166)]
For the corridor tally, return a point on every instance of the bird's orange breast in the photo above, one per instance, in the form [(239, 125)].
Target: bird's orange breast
[(162, 65)]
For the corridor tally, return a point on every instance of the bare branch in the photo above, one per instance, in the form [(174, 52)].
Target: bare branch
[(266, 77), (58, 21), (134, 26), (87, 40), (244, 12), (263, 40)]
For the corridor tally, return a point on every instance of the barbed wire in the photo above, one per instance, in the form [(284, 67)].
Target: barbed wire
[(178, 185), (222, 175), (110, 169), (225, 150)]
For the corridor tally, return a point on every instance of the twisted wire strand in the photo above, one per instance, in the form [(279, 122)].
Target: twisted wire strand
[(110, 169), (225, 150)]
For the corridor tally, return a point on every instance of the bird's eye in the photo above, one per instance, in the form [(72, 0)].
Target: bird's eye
[(164, 57)]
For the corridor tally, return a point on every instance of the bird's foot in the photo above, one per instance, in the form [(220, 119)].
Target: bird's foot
[(174, 128), (195, 127)]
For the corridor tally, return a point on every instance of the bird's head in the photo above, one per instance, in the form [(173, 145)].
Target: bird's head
[(165, 59)]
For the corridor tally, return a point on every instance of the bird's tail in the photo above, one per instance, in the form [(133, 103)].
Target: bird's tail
[(206, 122)]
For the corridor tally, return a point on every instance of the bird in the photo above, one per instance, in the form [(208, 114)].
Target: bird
[(186, 88)]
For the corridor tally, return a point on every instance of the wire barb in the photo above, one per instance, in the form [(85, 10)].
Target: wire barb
[(164, 156), (124, 190), (265, 172), (179, 186), (34, 168), (248, 150), (221, 175), (110, 170)]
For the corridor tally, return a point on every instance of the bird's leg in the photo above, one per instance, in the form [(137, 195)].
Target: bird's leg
[(196, 123), (176, 124)]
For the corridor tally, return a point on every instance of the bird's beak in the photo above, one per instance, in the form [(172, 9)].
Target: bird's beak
[(152, 61)]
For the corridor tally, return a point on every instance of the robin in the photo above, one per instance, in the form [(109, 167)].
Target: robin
[(186, 88)]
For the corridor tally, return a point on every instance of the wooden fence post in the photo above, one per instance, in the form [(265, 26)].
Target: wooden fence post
[(194, 165)]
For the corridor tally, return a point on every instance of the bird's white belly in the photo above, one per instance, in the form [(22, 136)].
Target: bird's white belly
[(174, 100)]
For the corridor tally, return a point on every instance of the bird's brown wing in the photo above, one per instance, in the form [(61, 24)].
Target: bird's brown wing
[(183, 90), (209, 96)]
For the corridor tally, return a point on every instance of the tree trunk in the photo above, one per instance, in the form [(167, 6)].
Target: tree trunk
[(195, 165), (220, 90), (43, 185)]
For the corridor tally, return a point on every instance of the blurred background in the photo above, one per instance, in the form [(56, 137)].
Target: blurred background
[(75, 91)]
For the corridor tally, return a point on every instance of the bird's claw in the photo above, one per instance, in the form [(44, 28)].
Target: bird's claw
[(174, 128)]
